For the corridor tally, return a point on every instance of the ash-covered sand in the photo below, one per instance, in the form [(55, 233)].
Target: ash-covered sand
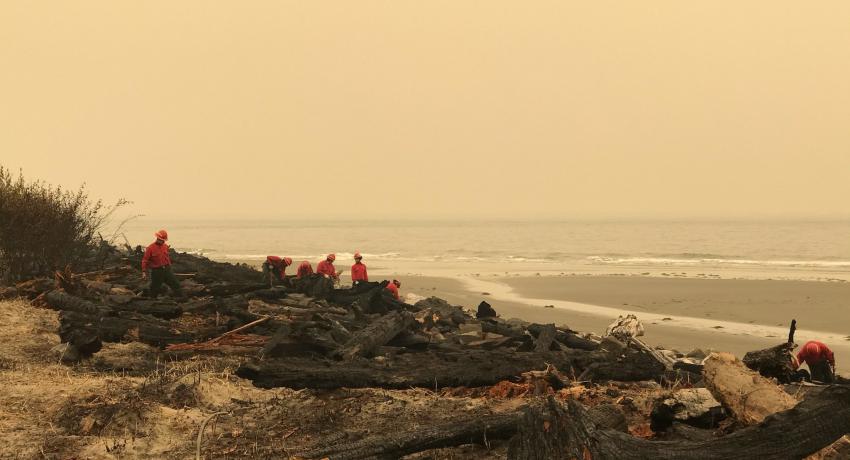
[(125, 402)]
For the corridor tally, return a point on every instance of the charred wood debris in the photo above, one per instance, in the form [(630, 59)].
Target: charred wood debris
[(307, 334)]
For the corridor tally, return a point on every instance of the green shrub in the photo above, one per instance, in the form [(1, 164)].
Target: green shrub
[(44, 228)]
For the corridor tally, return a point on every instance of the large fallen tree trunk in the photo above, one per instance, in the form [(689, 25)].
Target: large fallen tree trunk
[(468, 430), (87, 332), (749, 396), (428, 369), (559, 432), (376, 334), (58, 300)]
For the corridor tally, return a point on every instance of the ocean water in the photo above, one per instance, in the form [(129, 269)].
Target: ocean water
[(793, 250)]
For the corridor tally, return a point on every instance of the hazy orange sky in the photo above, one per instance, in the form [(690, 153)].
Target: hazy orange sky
[(411, 109)]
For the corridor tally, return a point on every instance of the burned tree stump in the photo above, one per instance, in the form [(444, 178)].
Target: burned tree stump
[(774, 362), (567, 432), (545, 338)]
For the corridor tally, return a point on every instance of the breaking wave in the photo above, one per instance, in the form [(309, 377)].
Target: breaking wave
[(716, 260)]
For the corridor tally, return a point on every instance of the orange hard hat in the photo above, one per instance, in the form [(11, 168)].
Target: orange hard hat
[(357, 255), (332, 257), (162, 235), (287, 261)]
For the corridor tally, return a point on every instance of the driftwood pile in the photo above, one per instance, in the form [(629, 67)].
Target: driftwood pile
[(308, 334)]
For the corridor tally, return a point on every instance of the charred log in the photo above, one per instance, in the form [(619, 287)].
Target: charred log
[(467, 430), (427, 370)]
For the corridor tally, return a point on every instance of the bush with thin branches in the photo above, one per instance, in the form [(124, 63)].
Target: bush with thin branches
[(44, 227)]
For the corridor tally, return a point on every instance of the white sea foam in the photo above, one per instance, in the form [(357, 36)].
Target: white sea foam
[(717, 261)]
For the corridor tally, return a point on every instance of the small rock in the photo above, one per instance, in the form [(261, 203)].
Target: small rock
[(548, 306), (66, 353)]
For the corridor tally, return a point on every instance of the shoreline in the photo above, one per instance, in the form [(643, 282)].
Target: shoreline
[(680, 332)]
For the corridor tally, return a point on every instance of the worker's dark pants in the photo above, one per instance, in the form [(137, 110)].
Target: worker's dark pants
[(164, 275), (269, 269), (821, 372)]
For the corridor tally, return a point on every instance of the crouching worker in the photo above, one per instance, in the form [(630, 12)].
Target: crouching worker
[(326, 267), (274, 269), (393, 288), (819, 358), (304, 270), (157, 260)]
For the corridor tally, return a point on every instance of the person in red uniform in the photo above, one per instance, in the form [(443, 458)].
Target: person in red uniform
[(393, 287), (326, 267), (358, 270), (157, 260), (819, 358), (305, 269), (274, 268)]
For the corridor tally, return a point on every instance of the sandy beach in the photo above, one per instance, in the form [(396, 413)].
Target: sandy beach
[(705, 313)]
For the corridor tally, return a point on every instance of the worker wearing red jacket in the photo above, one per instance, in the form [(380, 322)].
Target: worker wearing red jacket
[(274, 268), (326, 267), (819, 358), (393, 288), (305, 269), (157, 260), (358, 270)]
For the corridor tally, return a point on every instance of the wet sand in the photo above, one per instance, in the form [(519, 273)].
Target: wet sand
[(821, 306), (740, 301)]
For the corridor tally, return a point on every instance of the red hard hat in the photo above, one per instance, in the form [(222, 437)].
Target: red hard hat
[(332, 257), (162, 235), (287, 261), (357, 255)]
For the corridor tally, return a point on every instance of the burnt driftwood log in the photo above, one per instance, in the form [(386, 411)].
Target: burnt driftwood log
[(471, 368), (59, 300), (87, 332), (774, 362), (556, 431), (377, 333), (466, 430)]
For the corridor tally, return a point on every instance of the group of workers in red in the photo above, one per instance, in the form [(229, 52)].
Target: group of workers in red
[(156, 260), (275, 268)]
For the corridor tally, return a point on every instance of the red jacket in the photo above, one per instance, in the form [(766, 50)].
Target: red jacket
[(326, 268), (156, 255), (276, 262), (814, 352), (394, 289), (304, 269), (358, 272)]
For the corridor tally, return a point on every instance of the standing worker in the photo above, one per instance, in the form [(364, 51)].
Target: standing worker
[(819, 358), (326, 267), (275, 268), (305, 269), (157, 260), (358, 270), (393, 288)]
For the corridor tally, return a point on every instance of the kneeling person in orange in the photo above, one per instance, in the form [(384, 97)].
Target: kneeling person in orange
[(304, 270), (326, 267), (393, 287), (358, 270), (157, 260), (819, 358)]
